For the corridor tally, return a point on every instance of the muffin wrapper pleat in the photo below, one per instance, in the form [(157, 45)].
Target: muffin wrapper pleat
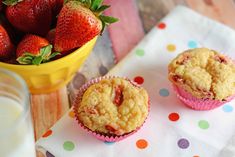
[(102, 136), (196, 103)]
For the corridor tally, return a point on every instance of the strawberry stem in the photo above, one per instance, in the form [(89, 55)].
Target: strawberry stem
[(95, 4), (11, 2), (44, 56)]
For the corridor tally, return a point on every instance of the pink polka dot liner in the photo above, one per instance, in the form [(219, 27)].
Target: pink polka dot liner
[(196, 103), (100, 136)]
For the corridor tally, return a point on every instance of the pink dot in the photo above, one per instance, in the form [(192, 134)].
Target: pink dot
[(139, 80)]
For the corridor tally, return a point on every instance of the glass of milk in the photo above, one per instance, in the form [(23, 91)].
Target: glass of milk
[(16, 129)]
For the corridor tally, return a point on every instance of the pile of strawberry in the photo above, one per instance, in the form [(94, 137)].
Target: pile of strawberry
[(35, 31)]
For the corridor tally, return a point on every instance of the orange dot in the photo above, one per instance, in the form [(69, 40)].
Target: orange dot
[(196, 156), (71, 114), (48, 133), (141, 144), (171, 47)]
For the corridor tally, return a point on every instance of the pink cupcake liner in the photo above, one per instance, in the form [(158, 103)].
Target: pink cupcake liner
[(102, 137), (196, 103)]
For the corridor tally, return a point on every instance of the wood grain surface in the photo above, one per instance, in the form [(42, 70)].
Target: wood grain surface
[(137, 17)]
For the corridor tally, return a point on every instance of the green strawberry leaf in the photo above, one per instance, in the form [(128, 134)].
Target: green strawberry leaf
[(24, 60), (54, 54), (100, 10), (103, 27), (11, 2), (88, 3), (95, 4), (108, 19), (45, 51), (37, 60)]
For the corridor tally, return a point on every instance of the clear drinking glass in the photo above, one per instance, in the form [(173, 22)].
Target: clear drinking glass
[(16, 129)]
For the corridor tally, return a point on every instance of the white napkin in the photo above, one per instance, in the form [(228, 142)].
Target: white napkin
[(172, 129)]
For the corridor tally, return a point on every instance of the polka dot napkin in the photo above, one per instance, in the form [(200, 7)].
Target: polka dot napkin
[(172, 129)]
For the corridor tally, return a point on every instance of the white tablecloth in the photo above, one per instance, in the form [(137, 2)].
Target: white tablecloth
[(172, 129)]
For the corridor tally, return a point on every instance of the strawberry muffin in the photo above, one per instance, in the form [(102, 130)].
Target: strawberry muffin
[(112, 106), (203, 73)]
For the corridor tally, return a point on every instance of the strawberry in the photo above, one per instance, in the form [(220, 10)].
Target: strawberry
[(78, 22), (51, 36), (29, 16), (6, 47), (34, 49), (1, 6), (14, 35), (56, 6)]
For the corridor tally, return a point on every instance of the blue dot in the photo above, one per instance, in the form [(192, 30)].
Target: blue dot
[(227, 108), (109, 143), (192, 44), (164, 92)]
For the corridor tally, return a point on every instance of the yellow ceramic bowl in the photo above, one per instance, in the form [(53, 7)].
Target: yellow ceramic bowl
[(53, 75)]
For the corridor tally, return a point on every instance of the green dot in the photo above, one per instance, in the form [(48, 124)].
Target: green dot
[(203, 124), (68, 145), (140, 52)]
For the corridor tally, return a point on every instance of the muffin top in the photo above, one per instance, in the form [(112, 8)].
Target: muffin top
[(113, 106), (204, 73)]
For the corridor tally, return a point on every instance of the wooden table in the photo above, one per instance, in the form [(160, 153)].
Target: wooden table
[(137, 17)]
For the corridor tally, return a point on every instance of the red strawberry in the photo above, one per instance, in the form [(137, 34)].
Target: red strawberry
[(6, 47), (79, 22), (34, 50), (56, 6), (29, 16), (1, 6), (51, 36), (14, 35)]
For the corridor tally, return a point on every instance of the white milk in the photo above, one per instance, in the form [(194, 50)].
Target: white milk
[(19, 141)]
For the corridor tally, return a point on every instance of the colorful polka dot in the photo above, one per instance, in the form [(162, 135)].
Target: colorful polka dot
[(68, 145), (109, 143), (140, 52), (71, 114), (164, 92), (141, 144), (161, 25), (227, 108), (192, 44), (173, 117), (183, 143), (48, 154), (139, 80), (171, 47), (47, 134), (203, 124)]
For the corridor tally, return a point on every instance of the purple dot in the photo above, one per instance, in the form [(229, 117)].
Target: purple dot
[(183, 143), (48, 154)]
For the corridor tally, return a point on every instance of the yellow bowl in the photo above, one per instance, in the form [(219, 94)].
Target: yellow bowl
[(53, 75)]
